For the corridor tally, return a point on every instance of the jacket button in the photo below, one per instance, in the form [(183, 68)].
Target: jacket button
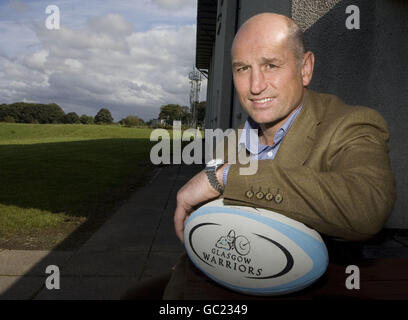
[(249, 194), (269, 196), (259, 195), (278, 198)]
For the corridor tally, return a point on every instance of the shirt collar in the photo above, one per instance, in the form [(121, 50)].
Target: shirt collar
[(250, 138)]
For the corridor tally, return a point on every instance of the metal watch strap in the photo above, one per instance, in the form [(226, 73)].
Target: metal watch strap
[(212, 178)]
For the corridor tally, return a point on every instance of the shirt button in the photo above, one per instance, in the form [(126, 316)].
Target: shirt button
[(270, 154)]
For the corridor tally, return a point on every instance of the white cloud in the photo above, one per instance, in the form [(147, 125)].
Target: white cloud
[(106, 63), (112, 24), (36, 60), (174, 4), (73, 64)]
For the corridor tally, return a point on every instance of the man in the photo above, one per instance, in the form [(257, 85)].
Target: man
[(321, 162), (330, 168)]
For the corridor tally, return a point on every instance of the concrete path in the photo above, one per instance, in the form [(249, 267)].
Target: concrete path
[(137, 243)]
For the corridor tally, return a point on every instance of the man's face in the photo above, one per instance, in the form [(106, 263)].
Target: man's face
[(266, 75)]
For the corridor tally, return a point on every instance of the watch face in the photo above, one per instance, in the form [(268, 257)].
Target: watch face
[(214, 162)]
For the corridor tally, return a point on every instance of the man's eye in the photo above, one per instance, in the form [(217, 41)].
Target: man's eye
[(270, 66), (240, 69)]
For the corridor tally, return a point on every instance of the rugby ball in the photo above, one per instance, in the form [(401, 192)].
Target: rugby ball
[(253, 250)]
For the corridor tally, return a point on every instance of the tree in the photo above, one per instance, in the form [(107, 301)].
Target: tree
[(55, 113), (9, 119), (132, 121), (201, 113), (23, 112), (185, 115), (171, 112), (7, 112), (71, 118), (84, 119), (103, 117), (47, 113)]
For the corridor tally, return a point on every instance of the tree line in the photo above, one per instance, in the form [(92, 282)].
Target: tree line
[(52, 113), (23, 112), (170, 112)]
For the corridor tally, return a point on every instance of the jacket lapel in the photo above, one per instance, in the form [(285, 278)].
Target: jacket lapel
[(296, 145)]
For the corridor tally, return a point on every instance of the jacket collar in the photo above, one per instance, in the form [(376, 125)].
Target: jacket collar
[(297, 144)]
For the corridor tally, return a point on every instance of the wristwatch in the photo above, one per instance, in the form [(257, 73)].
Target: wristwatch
[(210, 169)]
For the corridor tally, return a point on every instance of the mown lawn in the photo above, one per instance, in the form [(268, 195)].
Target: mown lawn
[(55, 179)]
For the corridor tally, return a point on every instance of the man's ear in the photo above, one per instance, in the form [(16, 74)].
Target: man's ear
[(307, 67)]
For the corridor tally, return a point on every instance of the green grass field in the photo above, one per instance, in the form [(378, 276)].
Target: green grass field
[(54, 178)]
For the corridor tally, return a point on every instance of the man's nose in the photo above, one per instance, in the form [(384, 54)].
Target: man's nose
[(258, 83)]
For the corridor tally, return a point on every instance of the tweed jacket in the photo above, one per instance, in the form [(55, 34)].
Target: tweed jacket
[(332, 171)]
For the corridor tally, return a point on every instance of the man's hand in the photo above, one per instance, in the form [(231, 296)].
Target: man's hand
[(194, 192)]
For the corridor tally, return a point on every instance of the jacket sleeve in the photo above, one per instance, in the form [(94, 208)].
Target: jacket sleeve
[(350, 196)]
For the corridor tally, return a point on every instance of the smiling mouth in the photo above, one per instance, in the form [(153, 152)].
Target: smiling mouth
[(261, 102)]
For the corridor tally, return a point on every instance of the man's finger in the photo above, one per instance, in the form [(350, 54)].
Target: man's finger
[(179, 217)]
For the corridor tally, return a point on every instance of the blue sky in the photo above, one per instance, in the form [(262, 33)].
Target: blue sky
[(128, 56)]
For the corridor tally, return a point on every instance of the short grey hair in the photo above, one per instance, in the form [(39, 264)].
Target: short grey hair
[(295, 37)]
